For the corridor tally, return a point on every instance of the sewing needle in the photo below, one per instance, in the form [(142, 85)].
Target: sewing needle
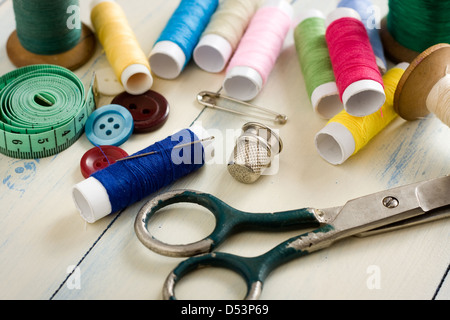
[(176, 147)]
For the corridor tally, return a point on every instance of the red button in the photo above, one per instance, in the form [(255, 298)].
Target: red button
[(149, 110), (99, 158)]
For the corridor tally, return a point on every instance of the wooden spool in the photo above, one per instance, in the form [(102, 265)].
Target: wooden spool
[(410, 100), (394, 50), (72, 59)]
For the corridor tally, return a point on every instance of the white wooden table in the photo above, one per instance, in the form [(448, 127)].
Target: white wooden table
[(42, 236)]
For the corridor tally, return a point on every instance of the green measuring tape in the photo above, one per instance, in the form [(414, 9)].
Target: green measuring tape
[(43, 111)]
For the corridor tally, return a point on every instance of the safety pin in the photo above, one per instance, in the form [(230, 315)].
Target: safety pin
[(155, 152), (209, 99)]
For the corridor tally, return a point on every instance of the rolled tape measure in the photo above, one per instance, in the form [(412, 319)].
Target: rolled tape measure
[(43, 110)]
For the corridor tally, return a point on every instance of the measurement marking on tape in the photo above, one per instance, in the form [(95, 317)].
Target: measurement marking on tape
[(32, 129)]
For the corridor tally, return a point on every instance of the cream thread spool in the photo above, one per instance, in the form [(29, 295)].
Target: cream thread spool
[(135, 76), (425, 86), (222, 35)]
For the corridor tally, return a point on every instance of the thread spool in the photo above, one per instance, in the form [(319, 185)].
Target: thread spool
[(48, 32), (357, 75), (126, 182), (425, 86), (314, 59), (122, 49), (174, 47), (258, 50), (223, 33), (365, 10), (345, 135), (412, 26)]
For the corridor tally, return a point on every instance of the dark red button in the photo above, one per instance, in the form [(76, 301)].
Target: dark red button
[(149, 110), (99, 158)]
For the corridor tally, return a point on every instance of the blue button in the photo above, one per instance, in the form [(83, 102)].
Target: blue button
[(109, 125)]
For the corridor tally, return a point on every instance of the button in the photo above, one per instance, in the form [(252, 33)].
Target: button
[(99, 158), (107, 82), (110, 125), (149, 110)]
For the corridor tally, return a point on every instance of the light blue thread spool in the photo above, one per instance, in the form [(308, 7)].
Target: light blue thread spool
[(175, 46)]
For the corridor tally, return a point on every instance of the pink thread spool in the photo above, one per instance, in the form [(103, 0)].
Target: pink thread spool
[(355, 67), (258, 50)]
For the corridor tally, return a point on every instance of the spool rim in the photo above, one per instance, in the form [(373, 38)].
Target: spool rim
[(394, 50), (412, 91), (71, 59)]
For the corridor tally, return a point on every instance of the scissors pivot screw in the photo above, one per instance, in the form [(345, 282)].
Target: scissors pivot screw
[(391, 202)]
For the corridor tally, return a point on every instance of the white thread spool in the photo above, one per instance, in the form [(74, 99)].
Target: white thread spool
[(362, 97), (135, 78), (438, 101), (223, 34)]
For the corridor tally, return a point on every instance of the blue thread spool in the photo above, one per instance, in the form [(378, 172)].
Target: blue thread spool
[(127, 182), (363, 7), (175, 46)]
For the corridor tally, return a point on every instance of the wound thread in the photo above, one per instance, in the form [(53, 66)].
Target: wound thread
[(258, 51), (175, 46), (232, 19), (345, 135), (366, 10), (42, 26), (315, 63), (357, 75), (122, 49), (438, 101), (419, 24), (223, 33), (126, 182)]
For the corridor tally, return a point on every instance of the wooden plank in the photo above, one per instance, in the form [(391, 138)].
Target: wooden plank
[(42, 235)]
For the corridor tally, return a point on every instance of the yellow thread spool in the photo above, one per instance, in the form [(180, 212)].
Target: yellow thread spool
[(122, 49), (345, 135)]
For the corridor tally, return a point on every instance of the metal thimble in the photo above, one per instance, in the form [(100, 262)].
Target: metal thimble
[(254, 152)]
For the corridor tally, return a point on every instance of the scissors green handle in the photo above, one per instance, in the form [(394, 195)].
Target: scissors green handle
[(253, 270), (228, 221), (372, 214)]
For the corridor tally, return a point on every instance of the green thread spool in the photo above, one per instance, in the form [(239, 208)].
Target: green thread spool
[(315, 62), (413, 26), (50, 32), (42, 25)]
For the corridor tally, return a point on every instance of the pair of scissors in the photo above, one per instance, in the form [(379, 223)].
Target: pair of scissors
[(376, 213)]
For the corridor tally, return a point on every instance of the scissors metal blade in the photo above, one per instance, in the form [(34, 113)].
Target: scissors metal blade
[(434, 199), (396, 208)]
